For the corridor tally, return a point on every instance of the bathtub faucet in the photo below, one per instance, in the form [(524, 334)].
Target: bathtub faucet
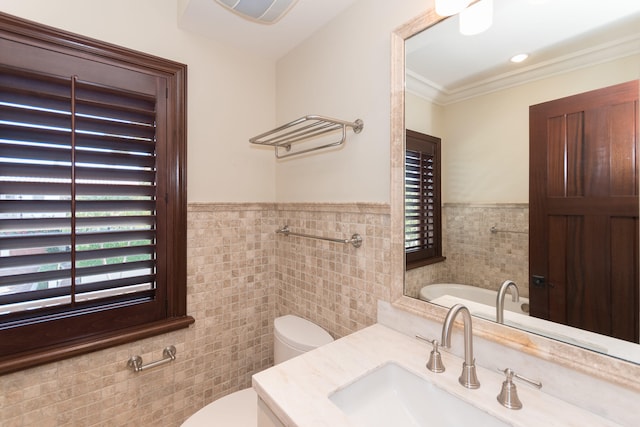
[(515, 297), (468, 377)]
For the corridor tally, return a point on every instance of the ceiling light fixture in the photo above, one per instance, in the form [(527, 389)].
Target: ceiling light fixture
[(519, 58), (450, 7), (261, 11), (476, 18)]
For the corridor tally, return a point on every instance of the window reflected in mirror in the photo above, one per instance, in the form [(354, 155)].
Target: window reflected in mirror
[(422, 203)]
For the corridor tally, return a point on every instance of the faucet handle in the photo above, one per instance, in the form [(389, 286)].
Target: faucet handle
[(509, 394), (435, 358)]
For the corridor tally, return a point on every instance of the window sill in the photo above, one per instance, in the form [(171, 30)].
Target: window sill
[(30, 359), (422, 262)]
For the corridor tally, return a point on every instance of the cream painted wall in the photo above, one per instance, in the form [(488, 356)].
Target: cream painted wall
[(231, 95), (343, 71), (423, 116), (485, 149)]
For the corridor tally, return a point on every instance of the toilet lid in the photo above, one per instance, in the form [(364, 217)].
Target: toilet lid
[(239, 409), (300, 333)]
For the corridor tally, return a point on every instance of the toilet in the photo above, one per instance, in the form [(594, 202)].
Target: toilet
[(293, 336)]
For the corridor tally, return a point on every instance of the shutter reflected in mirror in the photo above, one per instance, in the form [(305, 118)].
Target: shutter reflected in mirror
[(422, 198)]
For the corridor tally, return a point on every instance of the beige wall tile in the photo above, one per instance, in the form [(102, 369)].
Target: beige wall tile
[(240, 275), (475, 256)]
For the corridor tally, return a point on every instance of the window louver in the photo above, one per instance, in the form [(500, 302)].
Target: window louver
[(419, 201), (77, 193), (422, 198)]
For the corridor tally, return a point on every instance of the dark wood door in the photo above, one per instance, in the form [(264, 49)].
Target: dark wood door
[(583, 178)]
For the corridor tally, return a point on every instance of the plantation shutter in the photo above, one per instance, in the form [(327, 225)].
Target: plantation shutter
[(422, 197), (78, 189), (419, 192), (93, 207)]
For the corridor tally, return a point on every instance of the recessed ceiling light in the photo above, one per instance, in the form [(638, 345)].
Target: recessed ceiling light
[(519, 57)]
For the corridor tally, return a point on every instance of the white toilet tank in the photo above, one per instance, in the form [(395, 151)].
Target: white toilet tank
[(294, 335)]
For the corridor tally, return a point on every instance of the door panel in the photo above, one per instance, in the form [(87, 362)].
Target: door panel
[(557, 268), (575, 150), (584, 210)]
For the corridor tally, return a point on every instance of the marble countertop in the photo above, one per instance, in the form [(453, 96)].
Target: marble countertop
[(297, 390)]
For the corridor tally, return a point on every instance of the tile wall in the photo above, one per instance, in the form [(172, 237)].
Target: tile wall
[(334, 285), (240, 276), (475, 255)]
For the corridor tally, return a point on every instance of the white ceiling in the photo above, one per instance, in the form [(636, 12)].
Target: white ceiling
[(210, 19), (445, 66)]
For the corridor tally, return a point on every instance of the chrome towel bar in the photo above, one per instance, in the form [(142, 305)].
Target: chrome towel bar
[(495, 230), (355, 240), (135, 362)]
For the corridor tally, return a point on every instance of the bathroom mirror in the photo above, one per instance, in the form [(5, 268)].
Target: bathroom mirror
[(485, 181)]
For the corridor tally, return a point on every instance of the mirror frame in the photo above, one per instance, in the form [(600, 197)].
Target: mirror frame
[(589, 362)]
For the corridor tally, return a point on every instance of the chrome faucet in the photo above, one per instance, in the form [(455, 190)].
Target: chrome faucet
[(468, 377), (515, 297)]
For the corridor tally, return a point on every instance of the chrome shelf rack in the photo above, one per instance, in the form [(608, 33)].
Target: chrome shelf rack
[(304, 129)]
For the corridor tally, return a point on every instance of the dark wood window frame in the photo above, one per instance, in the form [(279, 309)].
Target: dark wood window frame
[(46, 335), (423, 212)]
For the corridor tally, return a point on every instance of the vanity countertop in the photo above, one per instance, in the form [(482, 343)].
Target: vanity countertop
[(297, 390)]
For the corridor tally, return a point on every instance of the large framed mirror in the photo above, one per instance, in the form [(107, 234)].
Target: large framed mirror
[(463, 90)]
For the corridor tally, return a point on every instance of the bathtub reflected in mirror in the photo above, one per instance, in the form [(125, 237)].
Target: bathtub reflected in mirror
[(437, 293)]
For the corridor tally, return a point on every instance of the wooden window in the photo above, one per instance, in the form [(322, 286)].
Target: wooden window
[(92, 195), (423, 230)]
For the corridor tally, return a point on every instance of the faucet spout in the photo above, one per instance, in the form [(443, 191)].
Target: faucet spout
[(468, 377), (515, 296)]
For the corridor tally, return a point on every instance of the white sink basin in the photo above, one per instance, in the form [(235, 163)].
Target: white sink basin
[(392, 396)]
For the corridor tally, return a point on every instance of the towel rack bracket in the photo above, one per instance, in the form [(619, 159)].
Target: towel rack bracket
[(359, 125), (356, 240)]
